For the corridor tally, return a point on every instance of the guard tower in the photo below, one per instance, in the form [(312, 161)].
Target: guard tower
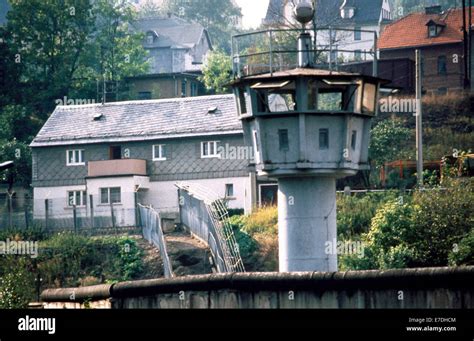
[(308, 127)]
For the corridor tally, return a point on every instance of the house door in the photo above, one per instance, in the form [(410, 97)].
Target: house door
[(115, 153), (268, 195)]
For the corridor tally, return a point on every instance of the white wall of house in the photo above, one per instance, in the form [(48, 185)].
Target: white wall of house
[(163, 195), (58, 202)]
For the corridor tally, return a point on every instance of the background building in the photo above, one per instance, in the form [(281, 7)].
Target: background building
[(177, 51)]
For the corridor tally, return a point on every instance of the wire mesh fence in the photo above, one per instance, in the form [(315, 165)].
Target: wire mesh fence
[(76, 212), (150, 221), (205, 214)]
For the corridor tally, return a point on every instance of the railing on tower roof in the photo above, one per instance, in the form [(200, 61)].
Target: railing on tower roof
[(273, 50)]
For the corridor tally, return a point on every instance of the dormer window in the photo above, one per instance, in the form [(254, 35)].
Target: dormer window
[(150, 37), (434, 29), (347, 12)]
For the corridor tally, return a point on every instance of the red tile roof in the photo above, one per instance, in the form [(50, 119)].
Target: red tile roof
[(411, 31)]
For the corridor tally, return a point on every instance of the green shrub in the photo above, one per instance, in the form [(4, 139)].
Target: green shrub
[(423, 232), (264, 220), (355, 213), (16, 283), (29, 234), (130, 259), (257, 237), (66, 259), (443, 218), (463, 254)]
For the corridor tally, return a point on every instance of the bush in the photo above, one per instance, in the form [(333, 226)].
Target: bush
[(463, 254), (422, 233), (257, 236), (355, 213), (29, 234), (66, 258), (443, 218), (130, 259), (264, 220), (16, 283)]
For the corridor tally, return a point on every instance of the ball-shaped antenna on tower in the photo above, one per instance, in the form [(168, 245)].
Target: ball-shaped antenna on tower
[(304, 12)]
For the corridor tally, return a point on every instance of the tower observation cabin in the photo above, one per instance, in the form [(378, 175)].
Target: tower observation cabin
[(308, 127)]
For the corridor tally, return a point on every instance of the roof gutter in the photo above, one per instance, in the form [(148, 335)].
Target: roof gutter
[(418, 46), (99, 140)]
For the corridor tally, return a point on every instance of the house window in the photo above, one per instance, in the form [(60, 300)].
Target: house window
[(442, 67), (357, 54), (144, 95), (209, 149), (323, 138), (159, 152), (76, 198), (442, 91), (283, 138), (357, 33), (184, 84), (354, 140), (334, 55), (194, 89), (75, 157), (229, 190), (110, 195), (150, 38)]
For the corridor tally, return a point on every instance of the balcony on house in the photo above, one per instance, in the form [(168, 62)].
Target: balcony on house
[(124, 167)]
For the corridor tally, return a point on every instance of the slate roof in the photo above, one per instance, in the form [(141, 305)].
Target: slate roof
[(411, 31), (328, 12), (366, 11), (172, 31), (140, 120), (274, 12)]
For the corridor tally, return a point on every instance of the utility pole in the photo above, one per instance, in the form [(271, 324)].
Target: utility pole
[(465, 45), (470, 44), (419, 121)]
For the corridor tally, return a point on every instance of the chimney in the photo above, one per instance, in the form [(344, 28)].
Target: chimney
[(433, 9)]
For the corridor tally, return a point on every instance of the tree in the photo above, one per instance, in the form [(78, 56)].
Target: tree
[(20, 153), (387, 142), (149, 10), (64, 47), (48, 38), (217, 16), (17, 123), (116, 50), (217, 72)]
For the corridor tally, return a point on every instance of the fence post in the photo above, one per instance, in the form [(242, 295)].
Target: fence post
[(91, 203), (74, 217), (10, 209), (135, 196), (112, 214), (26, 206), (46, 214)]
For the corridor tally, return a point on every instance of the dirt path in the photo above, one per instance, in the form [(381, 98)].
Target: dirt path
[(188, 256)]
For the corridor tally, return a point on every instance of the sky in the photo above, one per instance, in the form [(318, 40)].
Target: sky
[(254, 11)]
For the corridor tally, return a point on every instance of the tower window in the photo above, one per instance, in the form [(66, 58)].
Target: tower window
[(354, 140), (283, 138), (323, 138), (442, 67)]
